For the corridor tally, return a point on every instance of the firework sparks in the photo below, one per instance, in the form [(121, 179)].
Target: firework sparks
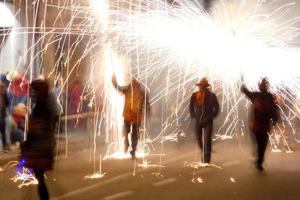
[(232, 180), (238, 42), (199, 165), (96, 175), (26, 177), (197, 180), (169, 47), (147, 164)]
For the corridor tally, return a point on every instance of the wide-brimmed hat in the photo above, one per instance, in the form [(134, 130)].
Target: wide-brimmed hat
[(203, 82)]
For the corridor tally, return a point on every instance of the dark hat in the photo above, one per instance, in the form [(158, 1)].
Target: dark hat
[(203, 82), (41, 86)]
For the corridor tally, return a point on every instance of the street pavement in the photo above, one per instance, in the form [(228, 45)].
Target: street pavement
[(232, 175)]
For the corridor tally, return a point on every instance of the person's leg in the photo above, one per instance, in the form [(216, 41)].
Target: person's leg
[(200, 136), (262, 141), (3, 133), (126, 132), (199, 132), (207, 142), (134, 139), (10, 125), (42, 188)]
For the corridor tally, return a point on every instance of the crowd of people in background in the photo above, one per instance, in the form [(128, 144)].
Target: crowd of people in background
[(14, 104), (14, 98)]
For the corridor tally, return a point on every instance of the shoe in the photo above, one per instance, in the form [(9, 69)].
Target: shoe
[(259, 167)]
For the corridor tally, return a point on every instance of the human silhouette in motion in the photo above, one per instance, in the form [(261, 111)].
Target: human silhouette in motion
[(264, 114), (38, 149), (3, 106), (135, 101), (204, 107)]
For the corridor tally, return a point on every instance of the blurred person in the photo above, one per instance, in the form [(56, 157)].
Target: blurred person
[(204, 107), (17, 93), (38, 149), (3, 106), (136, 100), (18, 90), (264, 113), (18, 125), (4, 80), (74, 100)]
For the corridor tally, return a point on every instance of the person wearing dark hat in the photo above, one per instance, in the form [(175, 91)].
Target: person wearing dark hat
[(265, 113), (204, 107), (38, 149)]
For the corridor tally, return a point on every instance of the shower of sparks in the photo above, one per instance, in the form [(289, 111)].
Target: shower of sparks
[(99, 174), (147, 164), (9, 164), (240, 41), (173, 137), (96, 175), (237, 33), (121, 155), (197, 180), (26, 177), (232, 180), (199, 165), (23, 174)]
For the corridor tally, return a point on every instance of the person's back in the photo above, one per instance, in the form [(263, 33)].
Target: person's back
[(134, 102), (263, 111)]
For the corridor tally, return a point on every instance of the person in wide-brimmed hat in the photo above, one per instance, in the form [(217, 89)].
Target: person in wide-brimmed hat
[(204, 107), (203, 83)]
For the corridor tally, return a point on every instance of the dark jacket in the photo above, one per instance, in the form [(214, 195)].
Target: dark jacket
[(38, 149), (3, 104), (264, 110), (207, 110)]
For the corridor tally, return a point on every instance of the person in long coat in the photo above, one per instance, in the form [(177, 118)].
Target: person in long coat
[(204, 107), (38, 149)]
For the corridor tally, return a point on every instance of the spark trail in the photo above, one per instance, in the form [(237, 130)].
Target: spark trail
[(239, 41)]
